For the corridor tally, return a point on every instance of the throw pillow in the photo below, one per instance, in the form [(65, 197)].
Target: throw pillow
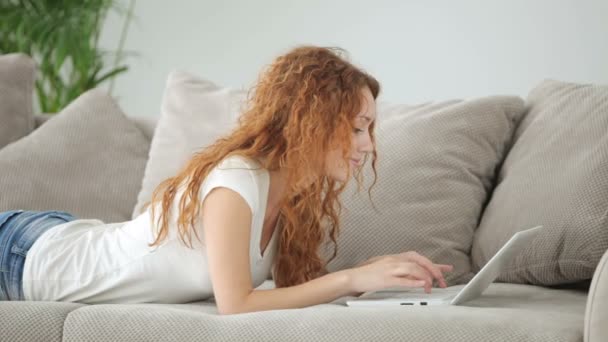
[(556, 175), (194, 113), (436, 170), (88, 160)]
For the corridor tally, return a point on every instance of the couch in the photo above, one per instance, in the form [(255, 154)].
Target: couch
[(553, 309)]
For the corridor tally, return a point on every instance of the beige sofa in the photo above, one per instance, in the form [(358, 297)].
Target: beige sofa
[(507, 311)]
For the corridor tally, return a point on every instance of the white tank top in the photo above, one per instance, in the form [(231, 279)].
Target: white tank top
[(90, 261)]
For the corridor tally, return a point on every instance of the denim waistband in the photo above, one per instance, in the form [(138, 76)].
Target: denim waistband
[(19, 229)]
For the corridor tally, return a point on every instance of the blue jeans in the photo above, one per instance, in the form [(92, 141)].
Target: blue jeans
[(19, 229)]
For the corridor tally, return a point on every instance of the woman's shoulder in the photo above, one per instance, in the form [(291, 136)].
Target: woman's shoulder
[(239, 173), (238, 161)]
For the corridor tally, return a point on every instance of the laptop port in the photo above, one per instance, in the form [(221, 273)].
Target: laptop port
[(422, 303), (407, 303)]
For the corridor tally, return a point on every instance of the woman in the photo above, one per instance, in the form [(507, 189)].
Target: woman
[(262, 197)]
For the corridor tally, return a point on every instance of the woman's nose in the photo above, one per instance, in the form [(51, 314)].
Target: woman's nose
[(366, 145)]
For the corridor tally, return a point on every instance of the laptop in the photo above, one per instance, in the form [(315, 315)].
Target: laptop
[(453, 295)]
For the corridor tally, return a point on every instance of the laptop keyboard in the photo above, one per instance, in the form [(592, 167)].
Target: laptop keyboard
[(415, 292)]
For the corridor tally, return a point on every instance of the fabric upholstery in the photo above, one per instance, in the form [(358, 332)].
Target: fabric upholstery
[(436, 169), (33, 321), (17, 75), (146, 124), (556, 175), (194, 113), (40, 119), (506, 312), (88, 160), (596, 313)]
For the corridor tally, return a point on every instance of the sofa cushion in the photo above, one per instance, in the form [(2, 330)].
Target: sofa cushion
[(33, 321), (556, 175), (146, 124), (88, 160), (506, 312), (436, 169), (194, 113), (40, 119), (17, 75)]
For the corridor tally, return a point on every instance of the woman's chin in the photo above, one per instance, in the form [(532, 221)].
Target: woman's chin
[(343, 178)]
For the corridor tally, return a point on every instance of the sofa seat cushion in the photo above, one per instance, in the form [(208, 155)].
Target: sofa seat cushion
[(34, 321), (505, 312)]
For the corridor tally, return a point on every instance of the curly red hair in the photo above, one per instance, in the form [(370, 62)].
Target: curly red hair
[(303, 104)]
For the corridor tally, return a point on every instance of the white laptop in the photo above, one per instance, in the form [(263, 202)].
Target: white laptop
[(453, 295)]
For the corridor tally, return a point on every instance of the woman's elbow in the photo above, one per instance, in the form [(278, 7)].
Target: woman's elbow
[(228, 311), (231, 310), (231, 307)]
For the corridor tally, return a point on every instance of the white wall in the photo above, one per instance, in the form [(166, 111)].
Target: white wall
[(418, 50)]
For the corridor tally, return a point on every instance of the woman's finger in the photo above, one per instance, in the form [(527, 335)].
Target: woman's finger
[(428, 265), (445, 268), (413, 270), (400, 281)]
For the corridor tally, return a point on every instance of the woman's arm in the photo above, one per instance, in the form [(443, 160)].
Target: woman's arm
[(317, 291), (226, 218)]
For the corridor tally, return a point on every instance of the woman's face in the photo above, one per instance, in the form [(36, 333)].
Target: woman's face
[(337, 167)]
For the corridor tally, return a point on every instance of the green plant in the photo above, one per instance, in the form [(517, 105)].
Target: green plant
[(63, 37)]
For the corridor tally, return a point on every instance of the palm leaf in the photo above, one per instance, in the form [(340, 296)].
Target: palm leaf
[(109, 75)]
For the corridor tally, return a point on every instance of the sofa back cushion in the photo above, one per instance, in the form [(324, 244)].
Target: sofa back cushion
[(88, 160), (436, 170), (17, 75), (146, 124), (556, 175), (194, 113)]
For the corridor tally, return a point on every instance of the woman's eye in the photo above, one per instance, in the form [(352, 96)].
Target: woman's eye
[(357, 130)]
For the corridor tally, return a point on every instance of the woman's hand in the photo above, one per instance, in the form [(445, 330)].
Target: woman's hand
[(408, 269)]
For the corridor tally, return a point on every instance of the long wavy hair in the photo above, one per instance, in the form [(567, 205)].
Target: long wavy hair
[(303, 105)]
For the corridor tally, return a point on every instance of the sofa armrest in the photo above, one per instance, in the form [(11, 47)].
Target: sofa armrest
[(596, 313)]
